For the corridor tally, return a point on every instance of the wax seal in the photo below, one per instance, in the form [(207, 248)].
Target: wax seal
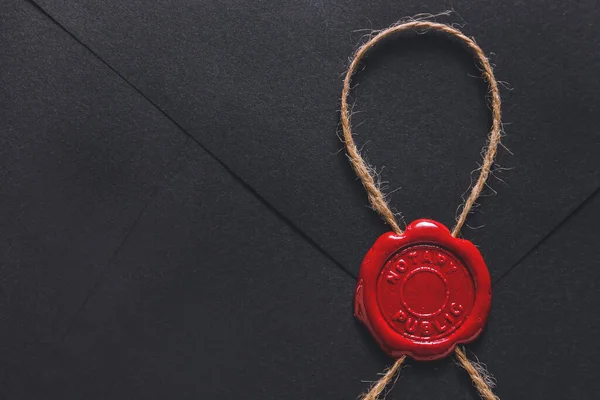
[(423, 292)]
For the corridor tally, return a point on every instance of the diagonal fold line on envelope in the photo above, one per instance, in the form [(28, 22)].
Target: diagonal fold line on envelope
[(196, 141), (549, 234)]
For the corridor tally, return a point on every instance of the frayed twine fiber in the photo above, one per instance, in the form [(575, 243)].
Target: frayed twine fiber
[(378, 387), (481, 379)]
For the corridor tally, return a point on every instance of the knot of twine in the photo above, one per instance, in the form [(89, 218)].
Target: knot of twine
[(481, 380)]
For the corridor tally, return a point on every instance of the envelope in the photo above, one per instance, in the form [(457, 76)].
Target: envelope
[(181, 220)]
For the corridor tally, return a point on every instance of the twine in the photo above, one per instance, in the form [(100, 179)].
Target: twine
[(377, 199)]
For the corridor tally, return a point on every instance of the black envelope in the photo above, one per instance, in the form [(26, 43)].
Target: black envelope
[(180, 219)]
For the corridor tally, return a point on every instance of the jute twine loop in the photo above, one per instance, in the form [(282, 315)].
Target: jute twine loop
[(478, 375), (376, 198)]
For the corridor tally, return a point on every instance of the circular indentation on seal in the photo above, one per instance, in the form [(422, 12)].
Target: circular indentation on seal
[(425, 292)]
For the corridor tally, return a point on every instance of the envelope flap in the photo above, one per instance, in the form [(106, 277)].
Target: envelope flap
[(257, 84)]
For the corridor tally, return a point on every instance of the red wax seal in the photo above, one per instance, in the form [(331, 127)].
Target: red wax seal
[(423, 292)]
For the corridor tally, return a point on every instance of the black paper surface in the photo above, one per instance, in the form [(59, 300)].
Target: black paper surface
[(177, 221), (258, 84), (541, 340), (80, 154), (192, 306), (212, 295)]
